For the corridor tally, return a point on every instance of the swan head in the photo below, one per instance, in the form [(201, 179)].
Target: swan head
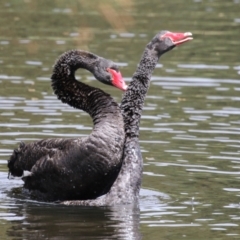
[(166, 40), (108, 73)]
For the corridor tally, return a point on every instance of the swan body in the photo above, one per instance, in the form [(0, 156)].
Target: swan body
[(76, 168), (125, 189)]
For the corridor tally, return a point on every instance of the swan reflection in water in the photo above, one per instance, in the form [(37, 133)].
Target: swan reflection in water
[(39, 220), (64, 222), (29, 219)]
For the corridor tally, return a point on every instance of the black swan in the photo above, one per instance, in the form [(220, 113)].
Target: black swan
[(126, 188), (80, 168)]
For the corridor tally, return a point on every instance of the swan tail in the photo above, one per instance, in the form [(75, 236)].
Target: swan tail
[(15, 165), (24, 158), (27, 155)]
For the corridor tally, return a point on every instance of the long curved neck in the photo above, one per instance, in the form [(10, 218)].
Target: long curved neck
[(77, 94), (127, 185), (133, 99)]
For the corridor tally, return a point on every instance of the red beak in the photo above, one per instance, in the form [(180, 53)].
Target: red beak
[(178, 38), (117, 79)]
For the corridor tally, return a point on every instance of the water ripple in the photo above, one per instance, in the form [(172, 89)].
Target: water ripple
[(211, 171)]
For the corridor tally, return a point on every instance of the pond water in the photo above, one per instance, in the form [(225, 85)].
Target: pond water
[(190, 124)]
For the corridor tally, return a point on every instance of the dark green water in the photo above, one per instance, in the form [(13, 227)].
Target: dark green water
[(190, 125)]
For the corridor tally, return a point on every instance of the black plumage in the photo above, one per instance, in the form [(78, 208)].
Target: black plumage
[(79, 168), (126, 188)]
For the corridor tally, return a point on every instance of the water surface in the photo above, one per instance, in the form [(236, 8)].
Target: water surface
[(189, 129)]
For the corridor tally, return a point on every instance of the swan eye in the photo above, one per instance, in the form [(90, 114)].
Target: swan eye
[(109, 77), (115, 68)]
